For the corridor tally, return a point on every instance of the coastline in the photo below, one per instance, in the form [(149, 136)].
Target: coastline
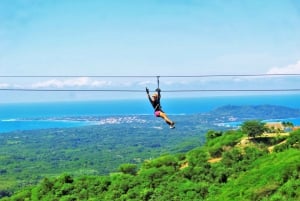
[(33, 116)]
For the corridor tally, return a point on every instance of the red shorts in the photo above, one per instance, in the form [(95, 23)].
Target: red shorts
[(157, 113)]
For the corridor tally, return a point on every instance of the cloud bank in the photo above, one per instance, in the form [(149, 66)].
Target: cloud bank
[(290, 69), (77, 82)]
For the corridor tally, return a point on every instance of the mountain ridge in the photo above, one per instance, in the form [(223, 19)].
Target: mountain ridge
[(258, 109), (259, 112)]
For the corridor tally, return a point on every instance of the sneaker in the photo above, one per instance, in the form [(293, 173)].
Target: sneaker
[(172, 126)]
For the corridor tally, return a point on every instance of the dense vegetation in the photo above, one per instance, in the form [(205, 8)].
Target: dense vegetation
[(26, 157), (230, 166), (78, 163)]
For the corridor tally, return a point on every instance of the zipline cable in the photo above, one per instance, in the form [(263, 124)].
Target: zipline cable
[(150, 76), (79, 90), (134, 91)]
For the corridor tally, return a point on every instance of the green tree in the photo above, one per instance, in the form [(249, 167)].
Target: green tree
[(211, 134), (253, 128), (288, 125), (128, 168)]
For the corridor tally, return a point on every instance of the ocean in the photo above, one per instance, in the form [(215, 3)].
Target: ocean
[(32, 116)]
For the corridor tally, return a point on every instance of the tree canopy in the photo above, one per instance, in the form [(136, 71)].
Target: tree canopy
[(253, 128), (259, 175)]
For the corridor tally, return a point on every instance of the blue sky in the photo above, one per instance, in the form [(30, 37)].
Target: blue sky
[(151, 37)]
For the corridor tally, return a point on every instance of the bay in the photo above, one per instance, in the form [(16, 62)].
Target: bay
[(32, 116)]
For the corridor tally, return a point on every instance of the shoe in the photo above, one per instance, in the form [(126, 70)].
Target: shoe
[(172, 126)]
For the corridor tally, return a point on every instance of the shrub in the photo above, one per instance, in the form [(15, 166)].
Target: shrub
[(128, 169)]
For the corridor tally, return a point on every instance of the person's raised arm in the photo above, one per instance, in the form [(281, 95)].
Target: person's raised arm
[(147, 91), (158, 93)]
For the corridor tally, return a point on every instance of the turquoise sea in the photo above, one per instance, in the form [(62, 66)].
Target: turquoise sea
[(29, 116)]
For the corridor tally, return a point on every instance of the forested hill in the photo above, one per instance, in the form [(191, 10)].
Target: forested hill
[(230, 166), (256, 112)]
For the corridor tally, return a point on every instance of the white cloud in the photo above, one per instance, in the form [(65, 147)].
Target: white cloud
[(290, 69), (77, 82), (100, 83), (4, 85), (145, 83)]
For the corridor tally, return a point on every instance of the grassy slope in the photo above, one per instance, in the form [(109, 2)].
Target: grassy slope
[(267, 175)]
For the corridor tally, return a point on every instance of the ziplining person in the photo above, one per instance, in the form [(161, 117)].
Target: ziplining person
[(158, 112)]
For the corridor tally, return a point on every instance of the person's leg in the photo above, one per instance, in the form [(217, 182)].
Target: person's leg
[(167, 120)]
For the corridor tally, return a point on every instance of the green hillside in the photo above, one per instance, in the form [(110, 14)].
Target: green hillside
[(222, 169)]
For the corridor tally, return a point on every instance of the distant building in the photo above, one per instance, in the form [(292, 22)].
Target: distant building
[(279, 126), (296, 128), (276, 126)]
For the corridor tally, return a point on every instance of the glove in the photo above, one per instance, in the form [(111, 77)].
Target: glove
[(158, 90), (147, 90)]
